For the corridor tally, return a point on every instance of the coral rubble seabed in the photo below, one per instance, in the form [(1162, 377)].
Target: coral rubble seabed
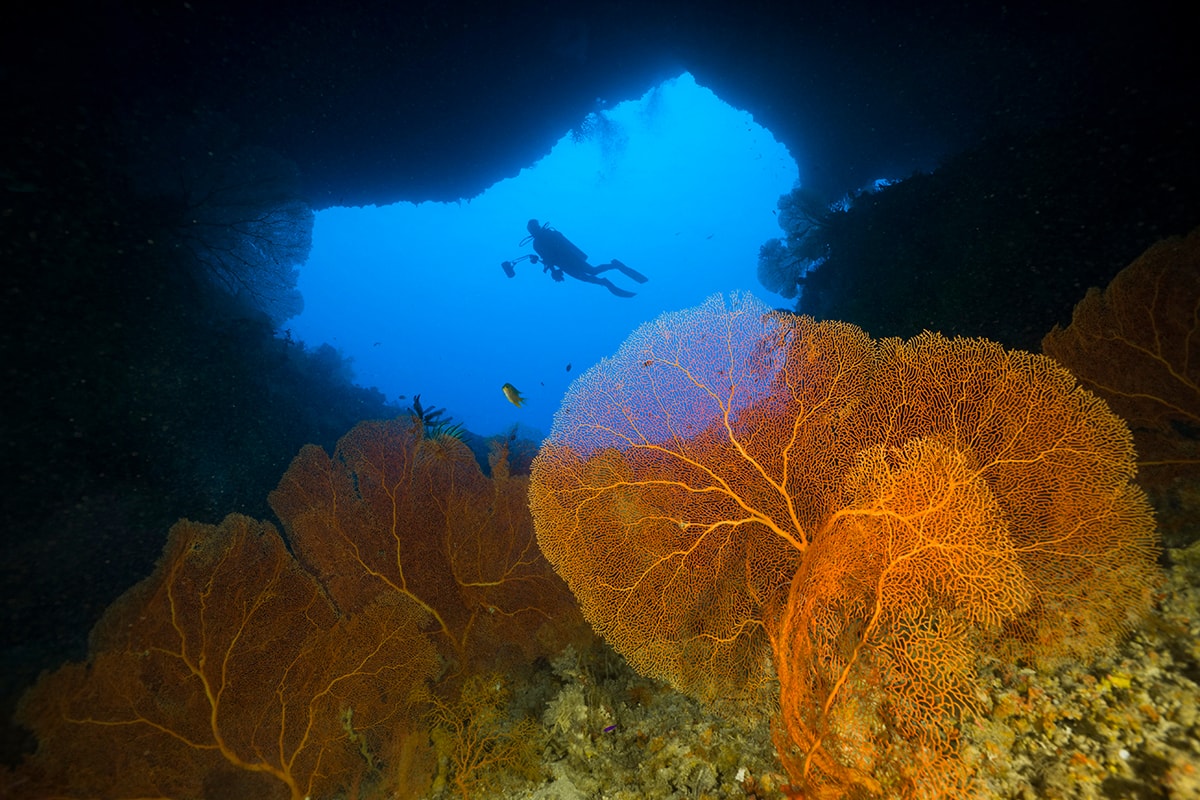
[(1126, 725)]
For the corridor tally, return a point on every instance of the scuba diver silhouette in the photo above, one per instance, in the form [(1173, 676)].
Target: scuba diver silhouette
[(560, 257)]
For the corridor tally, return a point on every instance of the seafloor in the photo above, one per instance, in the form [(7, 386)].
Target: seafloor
[(1125, 726)]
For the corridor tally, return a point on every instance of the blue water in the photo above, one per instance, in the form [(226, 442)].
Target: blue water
[(678, 185)]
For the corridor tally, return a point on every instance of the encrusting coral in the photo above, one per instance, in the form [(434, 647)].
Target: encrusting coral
[(742, 494)]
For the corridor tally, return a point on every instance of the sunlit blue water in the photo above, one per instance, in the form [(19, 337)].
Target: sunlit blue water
[(678, 185)]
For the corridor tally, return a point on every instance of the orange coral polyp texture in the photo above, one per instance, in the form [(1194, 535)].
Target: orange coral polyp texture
[(740, 494), (393, 511), (1136, 343), (230, 660)]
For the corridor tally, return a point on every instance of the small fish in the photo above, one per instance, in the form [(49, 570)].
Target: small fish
[(568, 366), (513, 395)]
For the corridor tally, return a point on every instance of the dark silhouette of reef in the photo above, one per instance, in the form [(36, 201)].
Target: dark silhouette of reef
[(136, 389), (1000, 241), (378, 102)]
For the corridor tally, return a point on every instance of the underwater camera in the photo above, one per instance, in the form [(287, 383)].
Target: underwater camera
[(507, 266)]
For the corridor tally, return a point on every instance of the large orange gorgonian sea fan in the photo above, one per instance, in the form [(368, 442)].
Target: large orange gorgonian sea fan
[(228, 673), (740, 495), (396, 511), (1137, 345)]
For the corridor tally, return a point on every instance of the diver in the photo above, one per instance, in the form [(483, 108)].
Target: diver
[(560, 257)]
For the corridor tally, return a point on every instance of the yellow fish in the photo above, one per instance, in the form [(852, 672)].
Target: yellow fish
[(513, 395)]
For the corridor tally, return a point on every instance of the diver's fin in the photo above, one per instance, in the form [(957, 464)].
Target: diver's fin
[(617, 291), (630, 272)]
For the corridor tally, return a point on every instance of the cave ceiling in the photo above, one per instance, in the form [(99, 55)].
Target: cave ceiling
[(378, 102)]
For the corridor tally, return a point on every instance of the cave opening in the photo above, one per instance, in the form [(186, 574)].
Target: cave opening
[(676, 184)]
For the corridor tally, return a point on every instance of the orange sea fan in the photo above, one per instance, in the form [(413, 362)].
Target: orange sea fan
[(395, 511), (1137, 345), (737, 485), (227, 672)]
